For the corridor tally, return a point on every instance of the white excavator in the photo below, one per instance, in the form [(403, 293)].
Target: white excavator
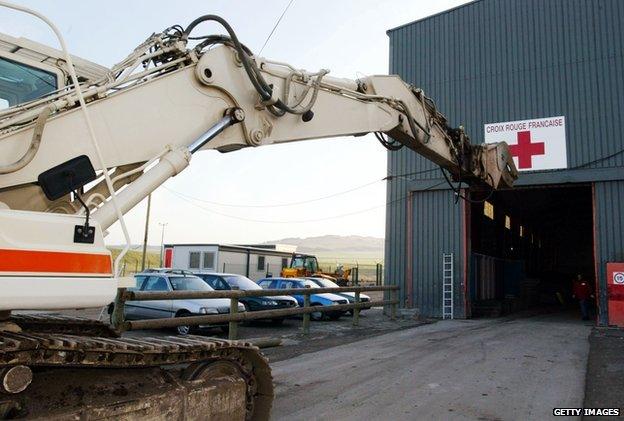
[(81, 145)]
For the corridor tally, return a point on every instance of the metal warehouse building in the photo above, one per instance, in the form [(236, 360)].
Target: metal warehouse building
[(547, 76)]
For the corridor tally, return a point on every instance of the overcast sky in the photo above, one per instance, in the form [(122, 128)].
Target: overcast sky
[(346, 36)]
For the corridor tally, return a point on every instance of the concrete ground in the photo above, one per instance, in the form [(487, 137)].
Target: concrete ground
[(509, 368), (605, 370)]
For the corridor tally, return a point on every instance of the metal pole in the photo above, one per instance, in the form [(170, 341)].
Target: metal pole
[(147, 217), (233, 326), (306, 316), (393, 307), (162, 242), (356, 311), (377, 274), (247, 266)]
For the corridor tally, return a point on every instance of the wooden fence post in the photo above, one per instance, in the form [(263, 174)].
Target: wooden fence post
[(117, 318), (393, 308), (306, 316), (356, 311), (233, 325)]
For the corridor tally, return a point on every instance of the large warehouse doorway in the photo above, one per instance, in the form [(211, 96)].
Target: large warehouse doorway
[(526, 247)]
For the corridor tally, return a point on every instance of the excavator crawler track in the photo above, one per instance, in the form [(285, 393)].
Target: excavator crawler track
[(185, 376), (60, 323)]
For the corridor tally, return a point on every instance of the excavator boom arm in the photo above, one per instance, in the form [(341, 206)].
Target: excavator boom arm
[(72, 155), (167, 100)]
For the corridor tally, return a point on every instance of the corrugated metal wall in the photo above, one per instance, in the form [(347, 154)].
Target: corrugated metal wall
[(609, 198), (436, 229), (502, 60)]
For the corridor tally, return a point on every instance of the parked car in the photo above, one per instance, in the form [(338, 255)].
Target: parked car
[(226, 281), (161, 281), (315, 299), (327, 283)]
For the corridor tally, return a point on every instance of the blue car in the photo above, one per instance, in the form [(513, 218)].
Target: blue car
[(326, 283), (225, 281), (323, 299)]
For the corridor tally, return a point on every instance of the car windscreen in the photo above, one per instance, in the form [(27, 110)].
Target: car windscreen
[(189, 283), (265, 283), (312, 284), (326, 283), (241, 282), (139, 281), (214, 281)]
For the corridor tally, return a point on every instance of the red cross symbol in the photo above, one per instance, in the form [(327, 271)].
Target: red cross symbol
[(525, 150)]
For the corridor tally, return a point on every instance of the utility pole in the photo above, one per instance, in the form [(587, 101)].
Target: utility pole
[(162, 242), (147, 217)]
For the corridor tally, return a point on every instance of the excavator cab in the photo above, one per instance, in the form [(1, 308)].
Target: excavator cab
[(30, 70), (21, 82)]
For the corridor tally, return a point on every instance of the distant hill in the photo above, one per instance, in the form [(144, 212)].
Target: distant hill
[(328, 248), (339, 247)]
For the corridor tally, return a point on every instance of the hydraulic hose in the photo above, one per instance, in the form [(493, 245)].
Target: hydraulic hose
[(252, 70), (34, 144), (275, 105)]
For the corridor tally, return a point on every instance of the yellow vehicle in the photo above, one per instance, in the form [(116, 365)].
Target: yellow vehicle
[(305, 265)]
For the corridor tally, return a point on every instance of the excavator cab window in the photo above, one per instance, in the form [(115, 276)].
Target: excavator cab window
[(21, 83)]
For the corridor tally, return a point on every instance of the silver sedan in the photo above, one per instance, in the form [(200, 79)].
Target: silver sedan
[(157, 309)]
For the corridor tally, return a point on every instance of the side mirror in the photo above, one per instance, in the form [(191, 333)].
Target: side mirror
[(66, 177)]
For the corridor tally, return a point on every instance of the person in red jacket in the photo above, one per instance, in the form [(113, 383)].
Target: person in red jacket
[(582, 291)]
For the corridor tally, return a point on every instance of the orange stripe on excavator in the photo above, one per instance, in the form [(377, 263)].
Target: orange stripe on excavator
[(34, 261)]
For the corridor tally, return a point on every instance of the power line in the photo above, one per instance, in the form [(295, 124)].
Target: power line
[(301, 202), (264, 221), (595, 161), (404, 175), (279, 205), (275, 26)]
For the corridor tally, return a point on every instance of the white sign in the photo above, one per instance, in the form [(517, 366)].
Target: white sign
[(537, 144), (618, 278)]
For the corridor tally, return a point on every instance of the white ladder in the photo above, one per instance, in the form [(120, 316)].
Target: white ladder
[(447, 285)]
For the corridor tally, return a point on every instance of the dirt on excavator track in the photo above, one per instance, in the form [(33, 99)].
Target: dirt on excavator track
[(81, 370)]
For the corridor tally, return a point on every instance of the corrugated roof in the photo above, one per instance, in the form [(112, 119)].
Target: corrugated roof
[(470, 3), (228, 247)]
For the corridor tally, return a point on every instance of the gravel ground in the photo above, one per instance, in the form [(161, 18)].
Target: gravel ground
[(323, 334)]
